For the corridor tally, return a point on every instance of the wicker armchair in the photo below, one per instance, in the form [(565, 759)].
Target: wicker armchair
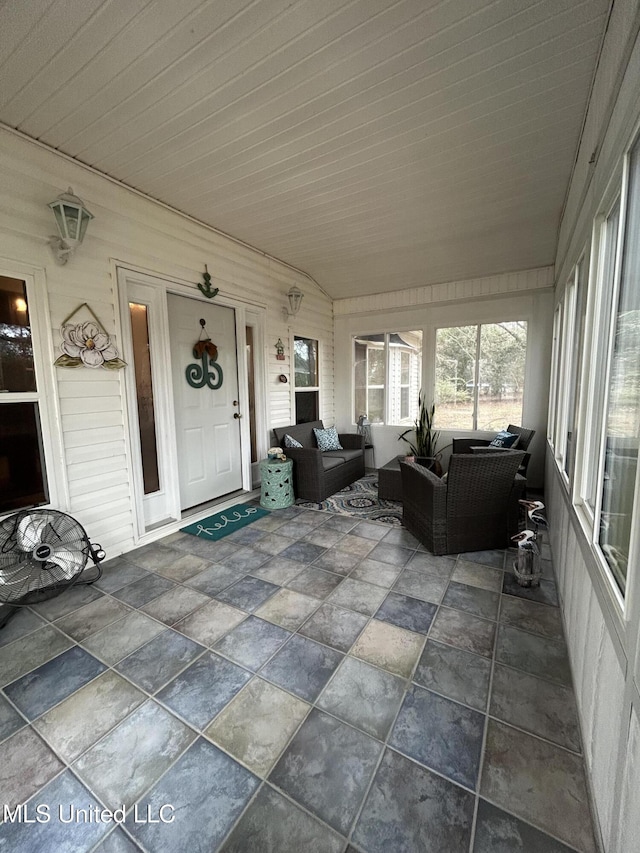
[(318, 474), (475, 509), (467, 445)]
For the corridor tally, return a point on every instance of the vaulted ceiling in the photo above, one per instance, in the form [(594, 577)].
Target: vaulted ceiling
[(376, 144)]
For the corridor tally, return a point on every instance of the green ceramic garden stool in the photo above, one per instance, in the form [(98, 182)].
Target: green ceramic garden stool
[(277, 484)]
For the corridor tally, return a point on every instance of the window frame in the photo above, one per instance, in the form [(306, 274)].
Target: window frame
[(306, 388), (46, 394)]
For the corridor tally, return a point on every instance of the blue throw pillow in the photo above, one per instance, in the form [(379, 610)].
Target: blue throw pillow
[(327, 439), (289, 441), (504, 439)]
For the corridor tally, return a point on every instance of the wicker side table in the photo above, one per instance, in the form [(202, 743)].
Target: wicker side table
[(276, 484)]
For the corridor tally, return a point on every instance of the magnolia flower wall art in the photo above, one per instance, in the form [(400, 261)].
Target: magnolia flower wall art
[(87, 345)]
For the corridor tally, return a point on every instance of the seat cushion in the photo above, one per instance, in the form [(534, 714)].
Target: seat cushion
[(344, 455), (329, 462)]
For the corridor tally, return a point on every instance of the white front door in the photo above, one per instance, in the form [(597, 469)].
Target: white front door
[(206, 398)]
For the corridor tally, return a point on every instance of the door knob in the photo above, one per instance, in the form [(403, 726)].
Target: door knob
[(237, 415)]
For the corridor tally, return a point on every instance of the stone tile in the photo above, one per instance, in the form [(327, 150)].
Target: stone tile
[(92, 618), (334, 627), (20, 657), (154, 556), (207, 624), (62, 794), (119, 639), (174, 538), (364, 696), (499, 832), (21, 624), (394, 555), (185, 567), (535, 655), (355, 545), (339, 562), (159, 660), (118, 573), (530, 616), (247, 594), (546, 593), (357, 595), (327, 768), (141, 592), (537, 706), (323, 537), (245, 559), (315, 582), (214, 579), (174, 605), (314, 518), (203, 689), (302, 667), (343, 523), (273, 823), (117, 842), (273, 543), (420, 585), (405, 612), (389, 647), (372, 530), (494, 558), (295, 529), (278, 570), (10, 719), (411, 809), (454, 673), (127, 761), (288, 609), (257, 725), (474, 574), (246, 536), (538, 782), (88, 714), (400, 536), (270, 522), (303, 552), (253, 642), (441, 734), (70, 600), (472, 599), (464, 631), (36, 692), (439, 567), (26, 764), (208, 790), (372, 571)]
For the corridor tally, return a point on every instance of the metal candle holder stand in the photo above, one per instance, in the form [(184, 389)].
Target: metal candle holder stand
[(526, 567)]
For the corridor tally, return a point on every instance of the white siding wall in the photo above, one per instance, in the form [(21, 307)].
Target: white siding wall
[(132, 231), (526, 294), (603, 643)]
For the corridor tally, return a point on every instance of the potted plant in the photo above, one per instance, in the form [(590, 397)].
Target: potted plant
[(423, 437)]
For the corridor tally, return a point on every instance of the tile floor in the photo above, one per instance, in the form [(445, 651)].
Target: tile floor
[(310, 683)]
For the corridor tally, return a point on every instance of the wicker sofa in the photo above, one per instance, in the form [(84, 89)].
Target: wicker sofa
[(316, 473), (475, 509)]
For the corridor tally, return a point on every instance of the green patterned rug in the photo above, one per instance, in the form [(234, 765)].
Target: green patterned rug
[(223, 523), (360, 499)]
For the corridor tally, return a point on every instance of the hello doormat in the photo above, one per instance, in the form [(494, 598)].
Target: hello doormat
[(223, 523)]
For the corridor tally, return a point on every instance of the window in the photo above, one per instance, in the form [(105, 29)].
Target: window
[(480, 375), (305, 351), (23, 480), (555, 375), (387, 376)]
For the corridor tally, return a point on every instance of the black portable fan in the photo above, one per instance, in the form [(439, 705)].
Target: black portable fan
[(42, 553)]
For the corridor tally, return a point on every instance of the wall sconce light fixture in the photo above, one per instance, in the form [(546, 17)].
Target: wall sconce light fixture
[(294, 295), (72, 218)]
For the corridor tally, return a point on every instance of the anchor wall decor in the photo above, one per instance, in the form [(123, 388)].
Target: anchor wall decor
[(206, 288), (208, 372)]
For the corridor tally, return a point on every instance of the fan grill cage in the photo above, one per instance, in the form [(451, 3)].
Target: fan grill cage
[(26, 578)]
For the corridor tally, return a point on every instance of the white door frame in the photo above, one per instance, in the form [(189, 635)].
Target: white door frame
[(159, 286)]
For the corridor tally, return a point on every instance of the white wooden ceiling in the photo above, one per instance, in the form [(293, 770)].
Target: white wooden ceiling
[(375, 144)]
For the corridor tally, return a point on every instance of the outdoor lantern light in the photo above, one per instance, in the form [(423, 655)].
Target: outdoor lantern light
[(295, 300), (72, 218)]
